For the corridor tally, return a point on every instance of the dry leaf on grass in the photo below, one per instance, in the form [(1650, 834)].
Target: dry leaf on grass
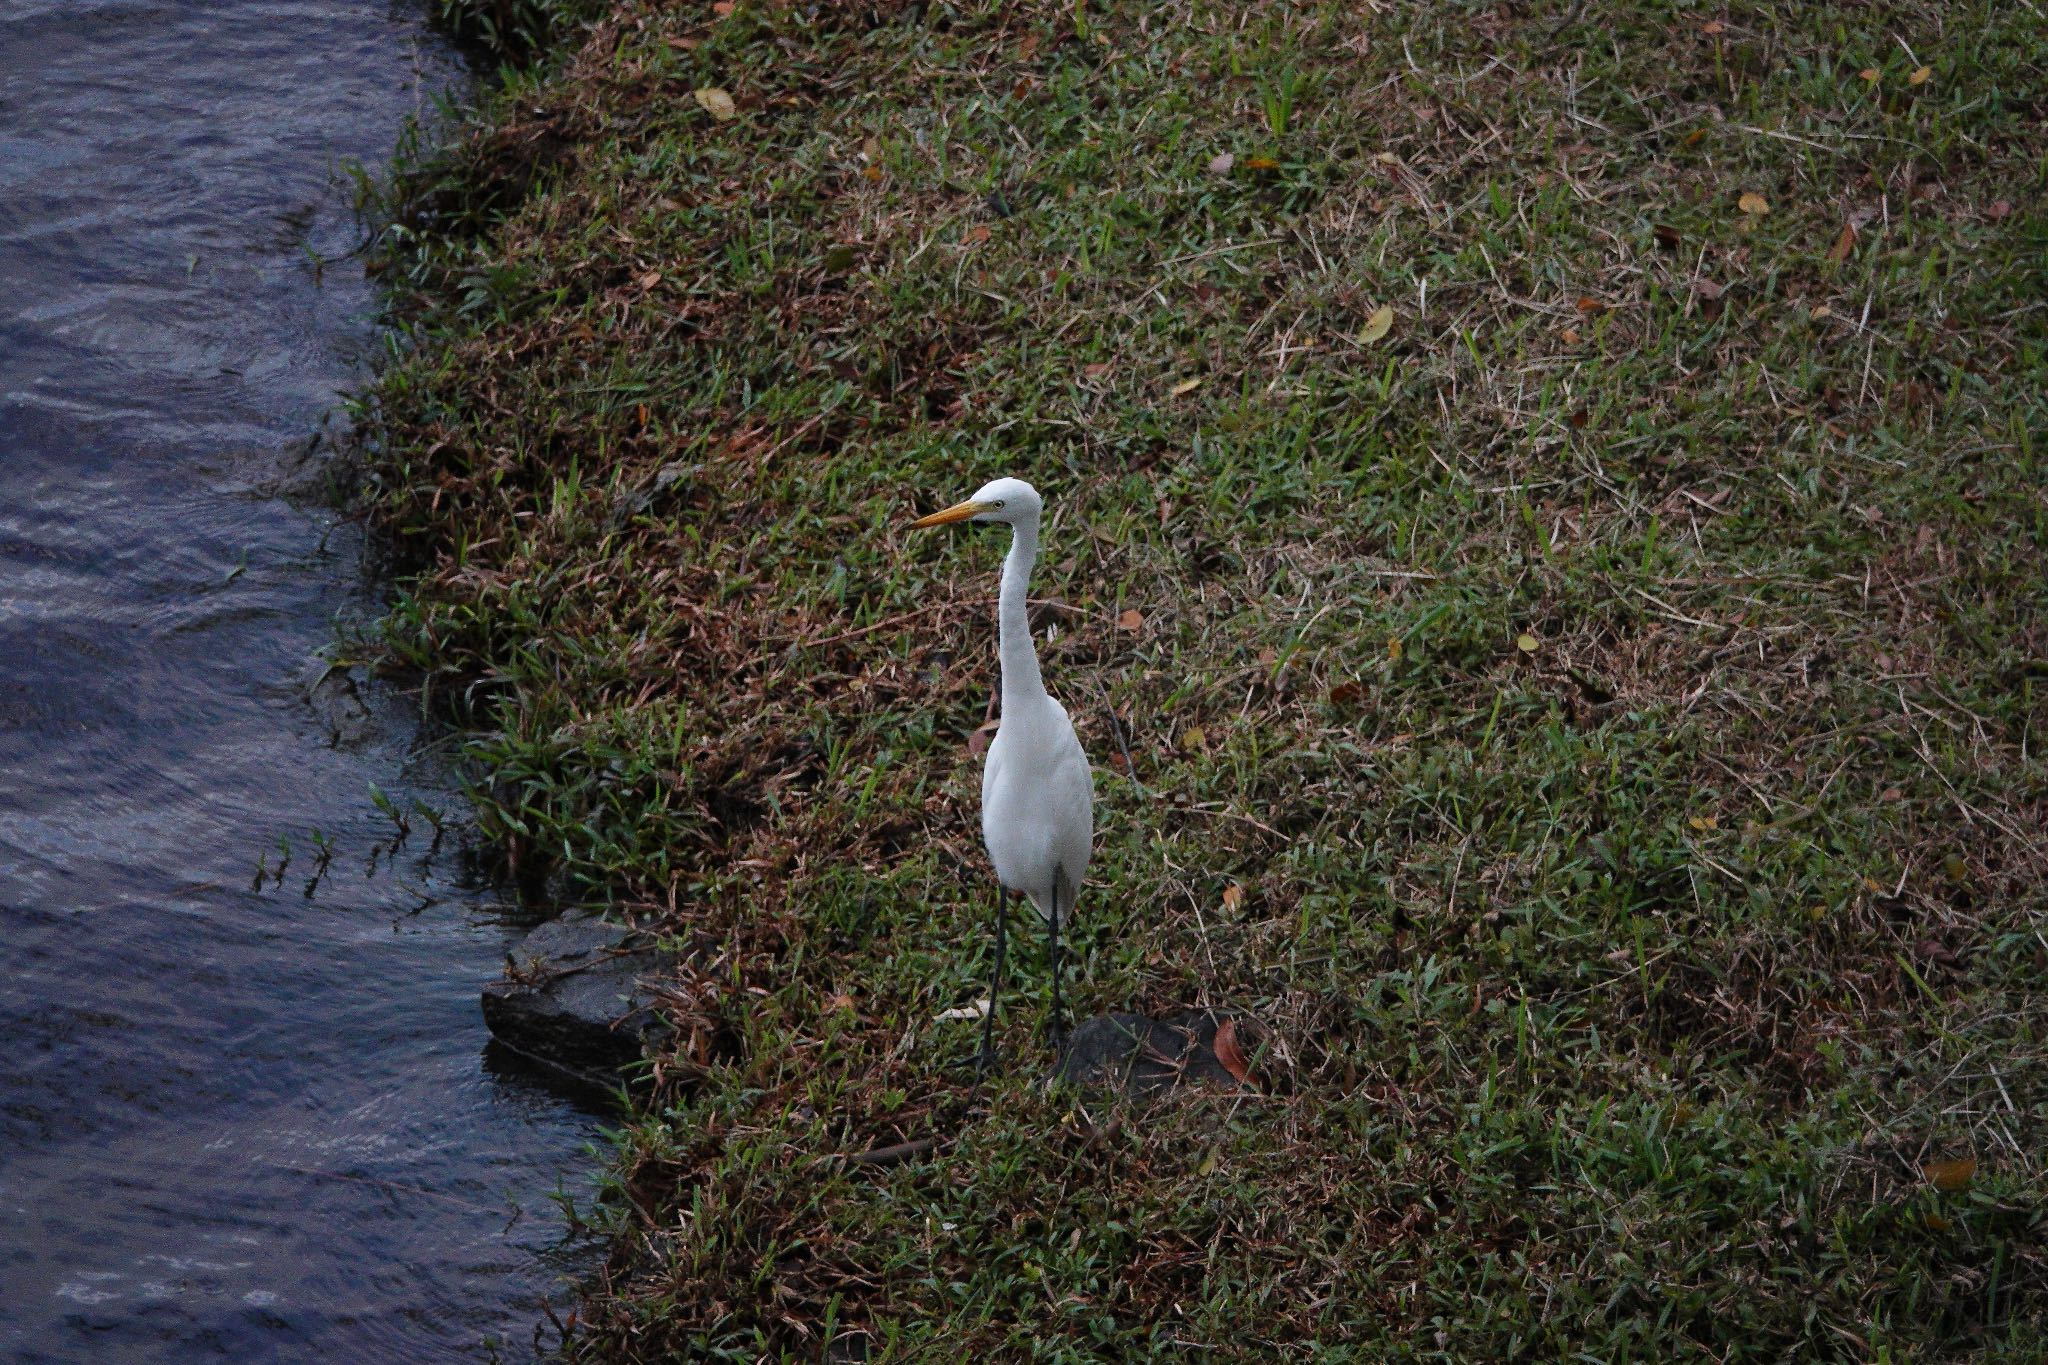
[(1221, 163), (1186, 386), (1133, 619), (1378, 325), (716, 102), (1230, 1054), (1753, 203), (1951, 1176), (1919, 77), (1844, 244), (1233, 896)]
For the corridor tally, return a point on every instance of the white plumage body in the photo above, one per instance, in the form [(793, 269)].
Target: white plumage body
[(1037, 805)]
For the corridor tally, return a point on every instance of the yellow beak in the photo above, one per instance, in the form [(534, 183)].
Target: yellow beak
[(959, 511)]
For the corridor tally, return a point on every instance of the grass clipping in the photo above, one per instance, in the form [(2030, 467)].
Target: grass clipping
[(1579, 637)]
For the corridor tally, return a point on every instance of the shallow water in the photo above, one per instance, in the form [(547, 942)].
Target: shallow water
[(235, 1123)]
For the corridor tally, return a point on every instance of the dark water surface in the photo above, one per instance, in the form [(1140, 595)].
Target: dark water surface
[(234, 1124)]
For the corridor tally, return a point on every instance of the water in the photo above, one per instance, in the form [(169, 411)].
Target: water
[(234, 1123)]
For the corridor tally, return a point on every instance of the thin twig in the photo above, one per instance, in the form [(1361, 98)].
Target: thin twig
[(1116, 728), (885, 1156), (927, 610)]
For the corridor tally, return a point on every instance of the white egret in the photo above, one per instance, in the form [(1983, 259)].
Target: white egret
[(1037, 793)]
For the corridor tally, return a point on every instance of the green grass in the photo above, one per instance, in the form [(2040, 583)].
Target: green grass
[(1614, 694)]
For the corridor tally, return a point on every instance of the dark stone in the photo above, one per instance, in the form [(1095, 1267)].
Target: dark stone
[(572, 998), (338, 704), (1142, 1056)]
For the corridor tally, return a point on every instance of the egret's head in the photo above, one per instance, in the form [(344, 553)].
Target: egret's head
[(1010, 501)]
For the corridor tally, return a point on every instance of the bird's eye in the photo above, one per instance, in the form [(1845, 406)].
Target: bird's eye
[(999, 504)]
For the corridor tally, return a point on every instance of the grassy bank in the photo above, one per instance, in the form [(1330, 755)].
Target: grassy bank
[(1555, 497)]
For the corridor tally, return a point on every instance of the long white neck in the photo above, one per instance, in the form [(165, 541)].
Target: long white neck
[(1022, 685)]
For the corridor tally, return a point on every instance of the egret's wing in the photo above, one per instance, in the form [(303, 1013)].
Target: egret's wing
[(1067, 791)]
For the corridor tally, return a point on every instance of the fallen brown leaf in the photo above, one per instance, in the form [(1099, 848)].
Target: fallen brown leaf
[(983, 736), (716, 102), (1378, 325), (1753, 203), (1934, 950), (1132, 619), (1230, 1054), (1950, 1176), (1844, 244)]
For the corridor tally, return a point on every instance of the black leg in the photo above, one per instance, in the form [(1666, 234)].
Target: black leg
[(1052, 927), (988, 1022)]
